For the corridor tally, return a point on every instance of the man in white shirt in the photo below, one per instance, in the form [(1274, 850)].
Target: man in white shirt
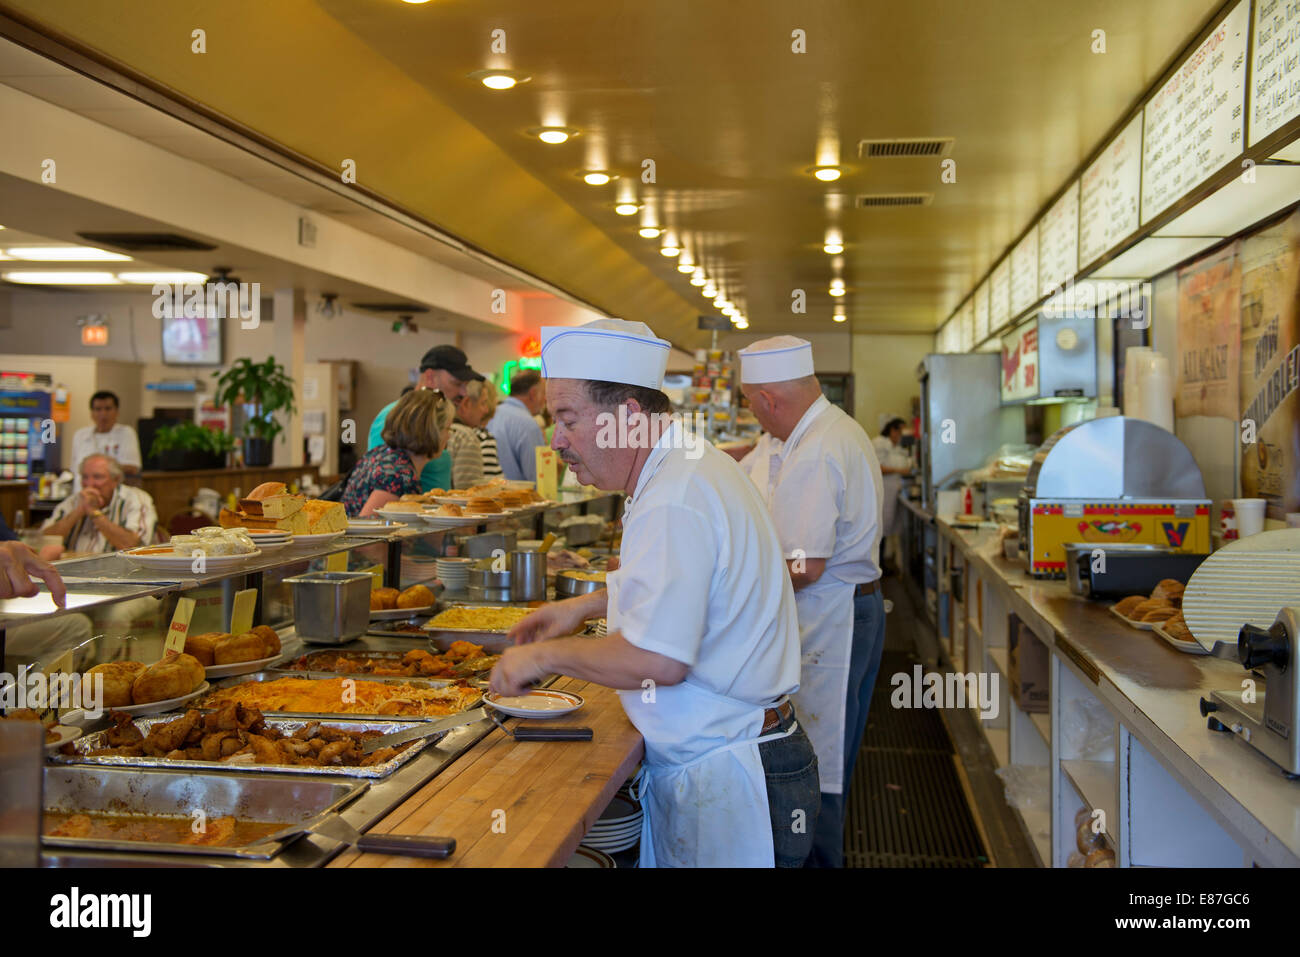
[(818, 473), (106, 437), (105, 516), (703, 640)]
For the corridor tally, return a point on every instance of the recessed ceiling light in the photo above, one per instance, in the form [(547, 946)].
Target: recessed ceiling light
[(629, 209), (596, 177), (554, 135), (742, 324), (833, 249), (499, 79), (710, 291), (827, 174), (415, 1), (669, 250), (685, 268), (63, 278), (65, 254), (840, 317), (719, 301), (697, 277), (650, 232), (146, 278), (837, 290)]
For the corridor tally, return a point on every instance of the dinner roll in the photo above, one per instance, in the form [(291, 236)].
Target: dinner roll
[(270, 640), (233, 649), (385, 598), (166, 679), (119, 676), (417, 596), (201, 646)]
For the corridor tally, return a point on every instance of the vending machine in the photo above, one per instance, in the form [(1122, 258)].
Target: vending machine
[(23, 454)]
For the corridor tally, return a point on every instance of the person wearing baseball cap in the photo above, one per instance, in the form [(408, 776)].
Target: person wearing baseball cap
[(817, 471), (446, 369), (703, 639)]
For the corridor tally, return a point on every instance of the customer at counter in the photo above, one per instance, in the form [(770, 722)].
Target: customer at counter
[(465, 446), (818, 474), (415, 431), (446, 369), (105, 516), (703, 642), (106, 437), (516, 431), (486, 440), (894, 464)]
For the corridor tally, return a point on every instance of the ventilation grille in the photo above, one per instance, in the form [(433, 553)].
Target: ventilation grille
[(878, 200), (896, 149), (404, 308), (148, 242)]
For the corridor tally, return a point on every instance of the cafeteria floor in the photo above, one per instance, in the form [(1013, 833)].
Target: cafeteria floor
[(924, 793)]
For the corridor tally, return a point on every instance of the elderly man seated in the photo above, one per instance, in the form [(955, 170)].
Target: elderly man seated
[(105, 515)]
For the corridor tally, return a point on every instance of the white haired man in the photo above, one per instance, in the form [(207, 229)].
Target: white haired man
[(105, 516)]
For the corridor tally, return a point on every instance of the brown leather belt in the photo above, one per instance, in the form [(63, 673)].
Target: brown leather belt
[(774, 716), (867, 588)]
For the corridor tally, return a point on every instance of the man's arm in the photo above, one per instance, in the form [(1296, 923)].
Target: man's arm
[(611, 661), (116, 535), (812, 569), (62, 526)]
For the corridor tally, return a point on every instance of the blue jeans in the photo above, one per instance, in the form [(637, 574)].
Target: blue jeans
[(864, 666), (793, 794)]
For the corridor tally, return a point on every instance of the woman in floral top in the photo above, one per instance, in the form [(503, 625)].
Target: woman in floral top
[(414, 432)]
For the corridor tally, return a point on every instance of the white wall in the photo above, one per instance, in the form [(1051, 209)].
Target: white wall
[(884, 375)]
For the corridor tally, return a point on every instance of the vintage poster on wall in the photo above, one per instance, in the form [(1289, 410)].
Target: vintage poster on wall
[(1209, 311), (1270, 351)]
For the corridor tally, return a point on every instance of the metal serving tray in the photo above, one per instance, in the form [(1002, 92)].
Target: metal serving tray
[(384, 629), (298, 802), (494, 632), (395, 656), (82, 746), (333, 715)]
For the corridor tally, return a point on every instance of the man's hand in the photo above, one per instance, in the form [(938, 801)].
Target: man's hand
[(89, 501), (17, 564), (519, 669), (549, 621)]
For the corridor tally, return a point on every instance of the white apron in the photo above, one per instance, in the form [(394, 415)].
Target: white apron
[(826, 642), (825, 611), (891, 523), (703, 788)]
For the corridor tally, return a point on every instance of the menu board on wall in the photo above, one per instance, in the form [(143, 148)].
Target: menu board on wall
[(1195, 122), (1024, 273), (1058, 242), (1275, 66), (1108, 194), (1270, 366), (1020, 363), (1000, 295), (965, 320), (982, 312), (1209, 335)]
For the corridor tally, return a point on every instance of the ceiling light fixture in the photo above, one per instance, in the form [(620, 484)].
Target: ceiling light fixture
[(499, 79), (710, 291), (837, 290), (174, 276), (63, 278), (553, 135), (627, 209), (685, 264), (742, 324), (697, 277), (668, 249), (827, 174), (719, 301), (650, 232), (65, 254), (596, 177)]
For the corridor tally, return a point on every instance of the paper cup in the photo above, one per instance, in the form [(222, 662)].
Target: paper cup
[(1250, 515)]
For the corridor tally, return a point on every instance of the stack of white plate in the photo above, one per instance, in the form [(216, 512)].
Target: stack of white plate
[(454, 573), (619, 827), (270, 539), (584, 857)]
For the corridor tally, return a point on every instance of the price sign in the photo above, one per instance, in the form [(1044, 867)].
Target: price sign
[(548, 473), (1275, 66), (337, 562), (241, 615), (376, 573), (180, 627)]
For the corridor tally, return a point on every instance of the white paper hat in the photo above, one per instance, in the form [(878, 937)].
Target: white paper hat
[(610, 350), (778, 359)]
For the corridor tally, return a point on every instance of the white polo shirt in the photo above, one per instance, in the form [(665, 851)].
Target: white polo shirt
[(120, 442), (701, 579), (825, 490)]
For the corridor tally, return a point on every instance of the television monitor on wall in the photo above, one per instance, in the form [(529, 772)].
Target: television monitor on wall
[(191, 341)]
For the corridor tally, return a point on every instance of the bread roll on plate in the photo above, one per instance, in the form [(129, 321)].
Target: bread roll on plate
[(417, 596), (167, 679), (201, 646), (119, 676), (233, 649)]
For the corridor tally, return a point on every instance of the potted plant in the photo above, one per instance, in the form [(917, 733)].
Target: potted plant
[(188, 445), (267, 389)]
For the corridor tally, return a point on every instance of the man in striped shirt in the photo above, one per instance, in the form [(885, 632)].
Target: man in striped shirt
[(105, 515)]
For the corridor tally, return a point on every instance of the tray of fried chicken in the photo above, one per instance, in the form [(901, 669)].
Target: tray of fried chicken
[(463, 659), (236, 738)]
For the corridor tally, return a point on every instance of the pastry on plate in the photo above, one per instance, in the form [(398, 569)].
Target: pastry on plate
[(417, 596), (119, 676)]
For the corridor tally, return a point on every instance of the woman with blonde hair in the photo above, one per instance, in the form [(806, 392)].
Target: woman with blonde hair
[(415, 431)]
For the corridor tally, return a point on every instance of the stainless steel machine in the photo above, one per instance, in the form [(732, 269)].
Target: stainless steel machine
[(1111, 481)]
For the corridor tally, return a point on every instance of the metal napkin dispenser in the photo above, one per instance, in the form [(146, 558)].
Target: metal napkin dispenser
[(1111, 481)]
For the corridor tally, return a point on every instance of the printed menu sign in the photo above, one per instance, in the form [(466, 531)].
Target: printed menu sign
[(1020, 363), (1275, 66), (1058, 242), (1194, 124), (1000, 295), (982, 312), (1024, 273), (965, 320), (1209, 324), (1108, 194), (1270, 366)]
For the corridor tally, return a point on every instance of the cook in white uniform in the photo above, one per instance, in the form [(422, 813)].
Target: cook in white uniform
[(894, 464), (818, 474), (703, 640)]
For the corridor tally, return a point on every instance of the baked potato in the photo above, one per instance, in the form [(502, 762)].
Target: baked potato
[(119, 677)]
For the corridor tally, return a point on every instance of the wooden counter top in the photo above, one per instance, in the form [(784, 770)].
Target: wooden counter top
[(542, 797)]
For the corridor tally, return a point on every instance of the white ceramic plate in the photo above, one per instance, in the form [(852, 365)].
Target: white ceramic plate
[(613, 847), (392, 614), (317, 539), (140, 710), (447, 521), (238, 668), (405, 518), (590, 857), (620, 811), (1192, 647), (451, 499), (1140, 625), (571, 703), (66, 733), (164, 559)]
